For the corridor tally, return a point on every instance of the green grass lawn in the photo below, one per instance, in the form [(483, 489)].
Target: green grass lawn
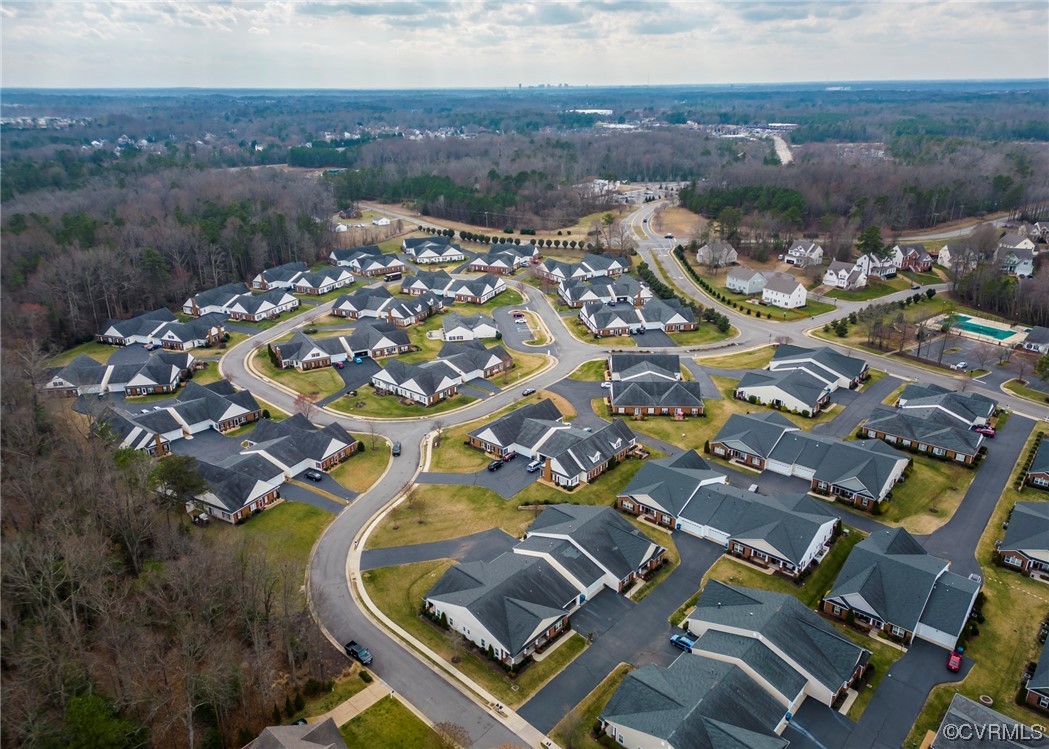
[(399, 591), (873, 290), (928, 498), (276, 414), (575, 729), (440, 512), (508, 298), (1014, 387), (100, 352), (757, 358), (525, 365), (811, 308), (322, 298), (390, 725), (921, 278), (363, 469), (429, 347), (207, 375), (673, 559), (579, 330), (705, 333), (315, 382), (592, 371), (1008, 637), (390, 407)]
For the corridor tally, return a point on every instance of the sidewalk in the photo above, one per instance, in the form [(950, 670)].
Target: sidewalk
[(356, 705)]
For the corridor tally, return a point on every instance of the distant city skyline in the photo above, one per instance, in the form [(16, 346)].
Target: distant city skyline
[(448, 43)]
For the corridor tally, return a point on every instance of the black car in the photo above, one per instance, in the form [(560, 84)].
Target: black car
[(495, 465), (313, 475), (396, 449)]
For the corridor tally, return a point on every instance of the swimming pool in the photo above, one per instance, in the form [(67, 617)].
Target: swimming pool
[(965, 323)]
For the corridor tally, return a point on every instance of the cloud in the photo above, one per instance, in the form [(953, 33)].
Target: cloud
[(258, 30), (368, 8)]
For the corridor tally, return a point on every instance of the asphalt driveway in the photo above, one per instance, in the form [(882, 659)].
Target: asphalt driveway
[(856, 407), (506, 482), (484, 546), (653, 339), (298, 493)]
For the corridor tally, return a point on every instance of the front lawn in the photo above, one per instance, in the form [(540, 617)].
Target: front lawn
[(705, 333), (390, 725), (575, 729), (399, 591), (592, 371), (525, 365), (927, 498), (360, 472), (757, 358), (391, 407), (209, 374), (673, 559), (508, 298), (921, 278), (579, 330), (428, 347), (100, 352), (316, 383), (346, 686), (744, 304), (1016, 388), (868, 292)]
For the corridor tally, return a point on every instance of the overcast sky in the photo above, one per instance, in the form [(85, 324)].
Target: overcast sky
[(373, 44)]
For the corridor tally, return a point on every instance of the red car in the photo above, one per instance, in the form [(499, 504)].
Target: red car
[(986, 431), (954, 662)]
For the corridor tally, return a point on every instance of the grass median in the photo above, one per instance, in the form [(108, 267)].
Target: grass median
[(363, 469)]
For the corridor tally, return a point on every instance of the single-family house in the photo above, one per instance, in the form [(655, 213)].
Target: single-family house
[(717, 253), (364, 302), (608, 290), (475, 290), (511, 606), (511, 433), (594, 547), (1015, 261), (432, 250), (1026, 543), (667, 315), (957, 258), (912, 257), (323, 735), (279, 277), (875, 266), (434, 282), (425, 383), (778, 641), (473, 361), (792, 389), (745, 280), (662, 488), (824, 363), (846, 276), (264, 306), (161, 328), (1037, 687), (859, 473), (367, 260), (162, 373), (458, 327), (1037, 474), (591, 266), (656, 398), (1016, 241), (372, 340), (923, 400), (933, 433), (376, 340), (628, 367), (305, 353), (342, 256), (213, 300), (890, 583), (784, 291), (322, 281), (1037, 340), (694, 703), (804, 253), (235, 491), (217, 405), (495, 262)]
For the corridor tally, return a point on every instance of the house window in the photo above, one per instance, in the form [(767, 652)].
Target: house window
[(898, 631), (737, 548), (627, 505), (1043, 702), (1013, 561), (836, 610), (1040, 481), (939, 451)]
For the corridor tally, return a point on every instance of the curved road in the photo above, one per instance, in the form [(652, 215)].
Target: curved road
[(335, 559)]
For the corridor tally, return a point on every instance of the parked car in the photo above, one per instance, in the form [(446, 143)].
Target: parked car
[(396, 449), (915, 287), (588, 429), (517, 313), (357, 360), (521, 321), (509, 456), (639, 331), (151, 346), (358, 652), (986, 431), (309, 331), (606, 385), (682, 641), (779, 257), (534, 466), (528, 391), (960, 366), (145, 410), (495, 465), (338, 364), (954, 662), (668, 236), (313, 475), (352, 393)]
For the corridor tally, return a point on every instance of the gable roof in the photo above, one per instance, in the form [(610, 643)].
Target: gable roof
[(784, 283), (601, 532), (454, 320), (580, 451), (695, 702), (657, 394), (506, 429), (933, 429), (316, 443), (786, 625), (1040, 678), (1028, 529), (513, 597), (1037, 334), (429, 377), (648, 366), (323, 735), (755, 433), (924, 399), (967, 720), (793, 382), (744, 274), (669, 483), (823, 358)]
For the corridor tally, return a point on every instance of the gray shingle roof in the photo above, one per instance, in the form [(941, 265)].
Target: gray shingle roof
[(670, 482), (849, 367), (787, 625), (587, 450), (924, 399), (929, 430), (781, 282), (1037, 334), (510, 596), (793, 382), (428, 375), (1028, 527), (696, 703), (1040, 463), (316, 443), (755, 433), (324, 735), (1040, 678), (666, 366), (657, 394), (616, 544), (974, 719), (574, 562), (506, 429), (893, 574), (783, 678)]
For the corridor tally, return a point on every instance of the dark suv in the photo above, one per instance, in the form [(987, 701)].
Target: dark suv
[(495, 465), (396, 449)]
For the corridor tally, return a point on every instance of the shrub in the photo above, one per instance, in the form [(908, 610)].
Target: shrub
[(806, 413), (300, 704), (366, 677), (752, 399)]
